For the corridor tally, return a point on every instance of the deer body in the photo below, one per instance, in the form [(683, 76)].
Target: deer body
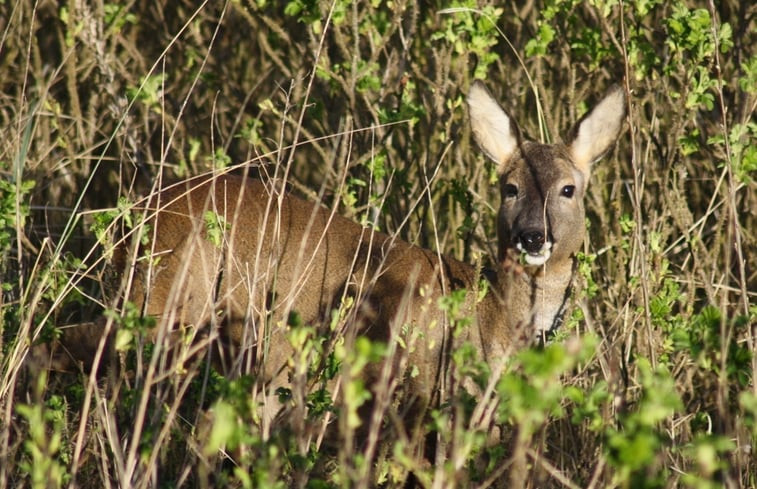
[(308, 262), (278, 254)]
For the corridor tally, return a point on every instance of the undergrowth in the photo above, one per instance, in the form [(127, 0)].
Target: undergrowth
[(360, 105)]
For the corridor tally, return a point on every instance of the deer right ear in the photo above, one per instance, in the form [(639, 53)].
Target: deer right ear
[(494, 130), (595, 134)]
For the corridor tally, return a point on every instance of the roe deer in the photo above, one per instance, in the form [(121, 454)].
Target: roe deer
[(276, 252)]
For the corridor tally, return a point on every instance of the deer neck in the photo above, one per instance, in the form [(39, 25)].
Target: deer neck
[(523, 304)]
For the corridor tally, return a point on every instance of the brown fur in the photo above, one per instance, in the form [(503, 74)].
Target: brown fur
[(281, 254)]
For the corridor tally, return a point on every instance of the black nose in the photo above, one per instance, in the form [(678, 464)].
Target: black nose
[(532, 241)]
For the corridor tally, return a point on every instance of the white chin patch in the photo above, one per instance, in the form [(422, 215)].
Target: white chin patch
[(536, 259)]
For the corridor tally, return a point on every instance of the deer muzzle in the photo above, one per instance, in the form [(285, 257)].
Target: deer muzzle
[(533, 246)]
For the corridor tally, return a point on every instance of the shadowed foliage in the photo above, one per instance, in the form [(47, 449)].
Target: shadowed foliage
[(361, 105)]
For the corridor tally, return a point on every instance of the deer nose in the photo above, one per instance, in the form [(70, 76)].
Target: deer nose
[(532, 241)]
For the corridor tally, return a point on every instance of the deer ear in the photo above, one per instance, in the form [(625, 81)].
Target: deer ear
[(595, 134), (495, 131)]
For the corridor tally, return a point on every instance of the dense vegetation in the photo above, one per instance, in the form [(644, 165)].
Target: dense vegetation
[(649, 383)]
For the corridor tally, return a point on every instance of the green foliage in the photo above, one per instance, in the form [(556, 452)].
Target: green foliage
[(356, 393), (117, 16), (472, 31), (108, 98), (584, 269), (690, 33), (748, 80), (46, 456), (538, 46), (748, 406), (219, 159), (103, 225), (410, 109), (532, 391), (636, 444), (215, 227), (350, 192), (586, 42), (14, 209), (453, 304), (588, 405), (309, 12), (132, 326), (704, 341), (709, 454), (149, 92), (743, 150)]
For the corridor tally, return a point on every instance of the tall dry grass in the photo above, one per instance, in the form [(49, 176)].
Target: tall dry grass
[(650, 383)]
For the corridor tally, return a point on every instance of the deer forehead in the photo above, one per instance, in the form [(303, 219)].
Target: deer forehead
[(542, 165)]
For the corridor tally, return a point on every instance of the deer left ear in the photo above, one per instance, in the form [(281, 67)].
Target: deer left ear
[(595, 134), (494, 130)]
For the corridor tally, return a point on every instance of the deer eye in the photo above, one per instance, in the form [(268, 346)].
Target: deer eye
[(509, 191), (568, 191)]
